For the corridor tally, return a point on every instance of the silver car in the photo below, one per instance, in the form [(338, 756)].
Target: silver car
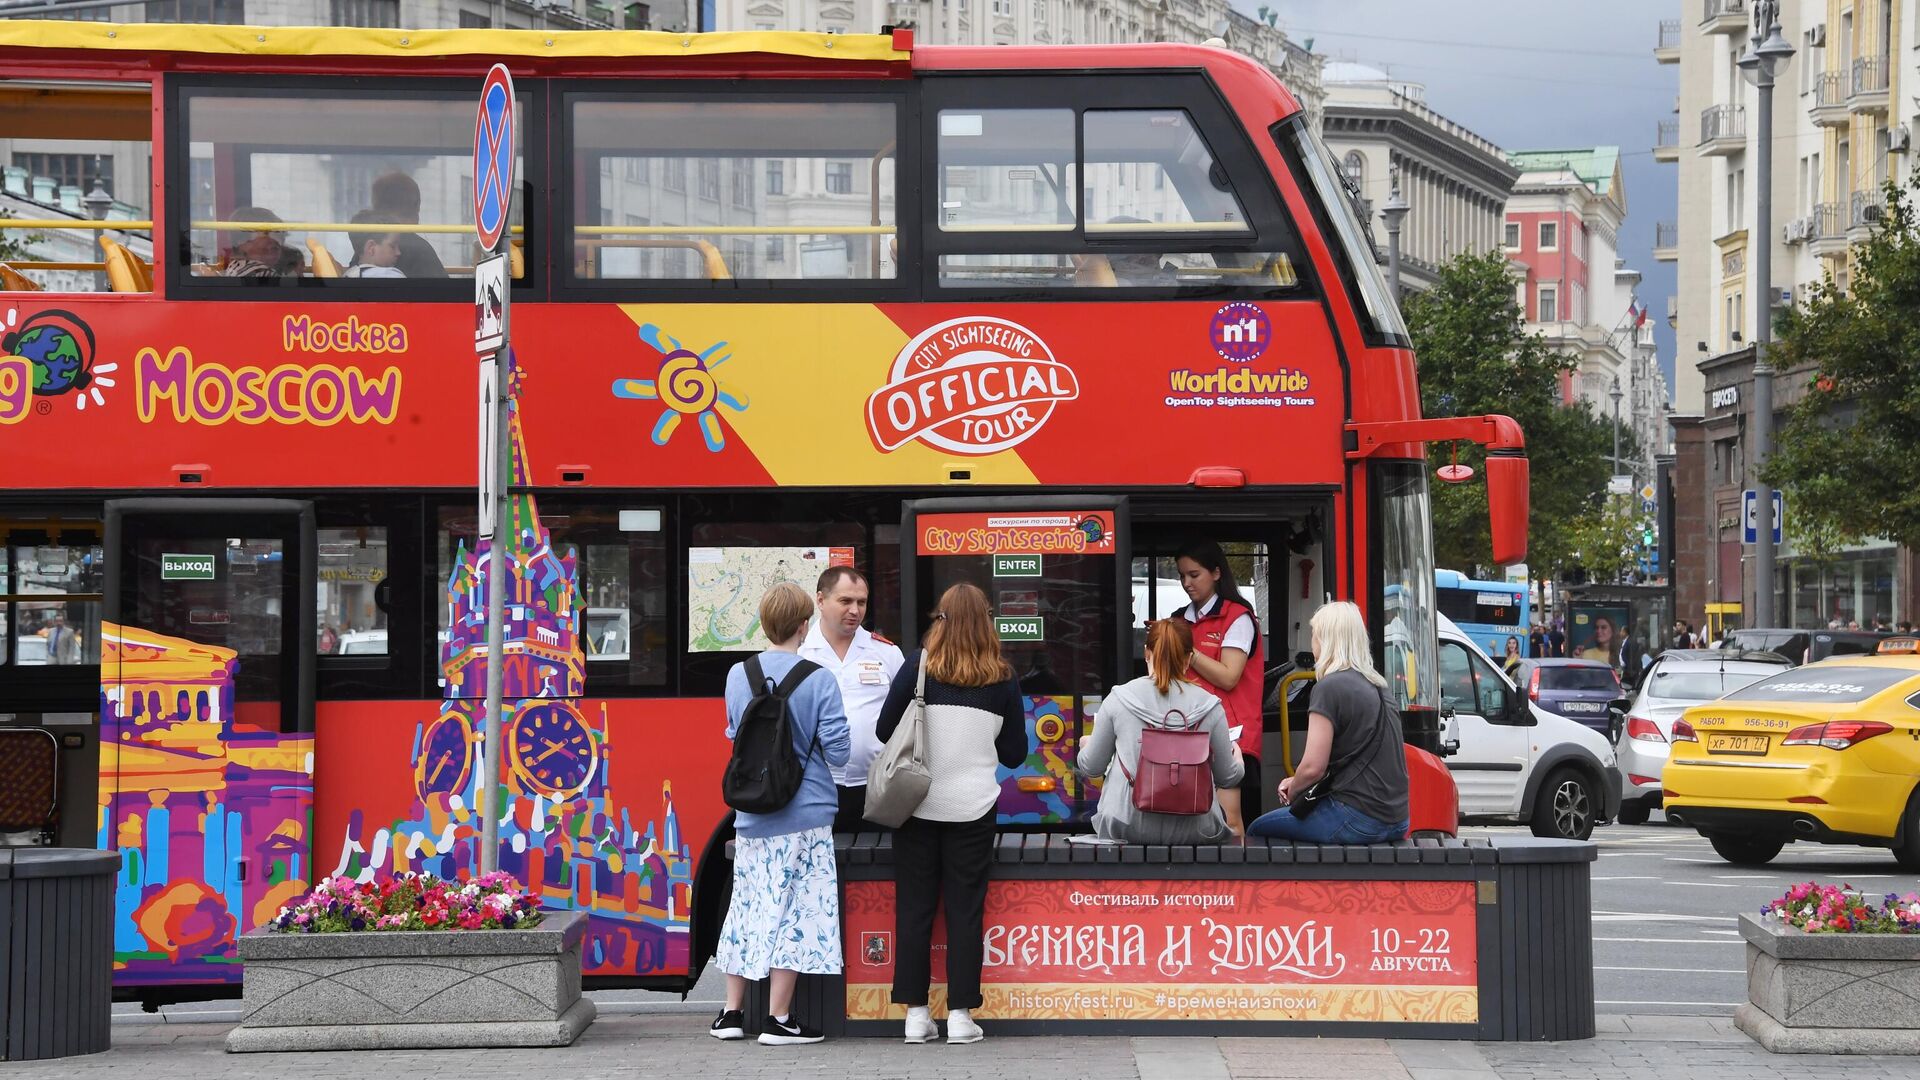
[(1678, 679)]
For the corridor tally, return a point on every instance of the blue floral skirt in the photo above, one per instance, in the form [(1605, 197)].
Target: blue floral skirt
[(786, 906)]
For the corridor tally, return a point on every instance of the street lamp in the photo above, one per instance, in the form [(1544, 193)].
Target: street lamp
[(1766, 56), (1394, 212), (97, 201), (1616, 395)]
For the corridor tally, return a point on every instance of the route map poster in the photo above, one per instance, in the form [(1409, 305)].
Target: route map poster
[(1373, 951), (725, 584)]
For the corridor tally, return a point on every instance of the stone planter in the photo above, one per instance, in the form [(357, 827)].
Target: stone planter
[(413, 989), (1830, 993)]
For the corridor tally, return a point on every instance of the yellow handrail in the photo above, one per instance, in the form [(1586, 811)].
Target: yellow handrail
[(733, 230), (71, 223), (330, 226), (1286, 724)]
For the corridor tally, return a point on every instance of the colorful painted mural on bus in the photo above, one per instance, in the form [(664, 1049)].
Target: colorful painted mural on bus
[(563, 830), (212, 818)]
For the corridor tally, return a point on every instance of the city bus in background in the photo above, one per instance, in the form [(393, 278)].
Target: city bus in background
[(1489, 612), (1032, 318)]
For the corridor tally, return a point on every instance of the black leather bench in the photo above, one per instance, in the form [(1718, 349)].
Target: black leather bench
[(1454, 939)]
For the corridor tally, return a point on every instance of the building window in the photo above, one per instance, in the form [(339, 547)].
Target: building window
[(1003, 8), (366, 12), (710, 179), (637, 16), (839, 177), (1510, 236), (70, 170), (1549, 304), (229, 12), (471, 20), (776, 249), (1549, 236), (675, 169), (1355, 167), (776, 178), (743, 182), (638, 170)]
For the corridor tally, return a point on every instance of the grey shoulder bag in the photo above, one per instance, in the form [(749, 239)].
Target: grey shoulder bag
[(899, 779)]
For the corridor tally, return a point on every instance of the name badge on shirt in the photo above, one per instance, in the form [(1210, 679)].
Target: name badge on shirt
[(872, 673)]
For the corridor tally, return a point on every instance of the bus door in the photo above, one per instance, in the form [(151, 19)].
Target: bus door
[(1055, 571), (206, 672)]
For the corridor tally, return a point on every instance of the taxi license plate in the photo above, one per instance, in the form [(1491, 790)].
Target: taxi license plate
[(1737, 744)]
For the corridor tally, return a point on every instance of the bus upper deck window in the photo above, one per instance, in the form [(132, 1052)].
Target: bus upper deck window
[(1150, 171), (1377, 311), (1008, 170)]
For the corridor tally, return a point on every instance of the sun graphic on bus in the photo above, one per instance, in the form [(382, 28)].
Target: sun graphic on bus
[(58, 348), (686, 383)]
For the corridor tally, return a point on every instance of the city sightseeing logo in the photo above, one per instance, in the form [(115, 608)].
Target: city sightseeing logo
[(687, 386), (48, 355), (973, 385)]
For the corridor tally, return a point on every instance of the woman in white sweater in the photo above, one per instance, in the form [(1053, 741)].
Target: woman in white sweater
[(1113, 749), (976, 722)]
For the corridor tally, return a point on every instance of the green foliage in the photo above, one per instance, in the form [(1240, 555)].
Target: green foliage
[(1607, 539), (1476, 357), (1846, 456), (12, 244)]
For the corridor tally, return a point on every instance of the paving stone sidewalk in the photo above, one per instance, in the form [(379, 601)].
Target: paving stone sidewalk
[(672, 1043)]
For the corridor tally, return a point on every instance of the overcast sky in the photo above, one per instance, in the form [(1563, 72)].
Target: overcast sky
[(1530, 74)]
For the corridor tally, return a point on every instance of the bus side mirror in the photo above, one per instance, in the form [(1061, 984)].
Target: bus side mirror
[(1507, 474)]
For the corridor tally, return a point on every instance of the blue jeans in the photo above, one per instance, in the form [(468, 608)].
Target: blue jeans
[(1332, 822)]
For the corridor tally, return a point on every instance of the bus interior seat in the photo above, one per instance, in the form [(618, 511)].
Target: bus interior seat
[(125, 272), (30, 797), (324, 264), (12, 280), (517, 259), (1095, 271)]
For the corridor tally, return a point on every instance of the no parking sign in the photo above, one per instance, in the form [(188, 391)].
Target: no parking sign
[(493, 129)]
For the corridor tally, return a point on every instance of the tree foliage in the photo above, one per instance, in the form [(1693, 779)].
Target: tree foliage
[(12, 244), (1476, 357), (1846, 456)]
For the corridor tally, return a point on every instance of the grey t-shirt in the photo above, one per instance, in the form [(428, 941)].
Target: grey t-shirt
[(1369, 766)]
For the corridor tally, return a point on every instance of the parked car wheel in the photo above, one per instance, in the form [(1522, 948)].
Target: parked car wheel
[(1565, 807), (1907, 851), (1746, 850), (1633, 814)]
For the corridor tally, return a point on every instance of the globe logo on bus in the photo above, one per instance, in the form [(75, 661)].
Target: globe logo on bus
[(1240, 332), (47, 355), (973, 385)]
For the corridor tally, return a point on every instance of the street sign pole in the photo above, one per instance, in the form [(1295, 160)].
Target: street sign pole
[(493, 160)]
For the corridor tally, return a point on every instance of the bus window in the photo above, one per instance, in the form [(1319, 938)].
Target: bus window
[(353, 563), (1410, 632), (1007, 170), (1379, 313), (702, 191), (1107, 198), (331, 185), (50, 592), (77, 165)]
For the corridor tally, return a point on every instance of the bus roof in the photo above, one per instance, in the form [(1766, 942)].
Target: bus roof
[(376, 42)]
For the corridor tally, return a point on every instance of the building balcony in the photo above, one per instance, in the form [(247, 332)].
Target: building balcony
[(1666, 241), (1868, 94), (1724, 16), (1666, 49), (1830, 92), (1827, 230), (1864, 211), (1723, 130), (1666, 143)]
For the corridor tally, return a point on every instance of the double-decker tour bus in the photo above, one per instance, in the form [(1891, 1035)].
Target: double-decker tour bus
[(1027, 317)]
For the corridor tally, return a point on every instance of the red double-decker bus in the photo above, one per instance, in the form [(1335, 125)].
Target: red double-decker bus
[(1029, 317)]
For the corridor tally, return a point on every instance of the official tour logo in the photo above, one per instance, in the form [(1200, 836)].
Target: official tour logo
[(974, 385), (1240, 332)]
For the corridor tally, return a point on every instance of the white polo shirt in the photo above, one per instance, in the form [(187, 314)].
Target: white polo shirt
[(865, 676)]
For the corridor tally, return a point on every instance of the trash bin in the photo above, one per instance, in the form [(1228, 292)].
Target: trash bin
[(56, 951)]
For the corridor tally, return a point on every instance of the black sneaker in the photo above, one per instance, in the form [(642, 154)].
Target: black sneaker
[(791, 1033), (731, 1024)]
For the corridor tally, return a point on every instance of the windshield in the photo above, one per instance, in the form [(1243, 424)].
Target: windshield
[(1578, 678), (1377, 311)]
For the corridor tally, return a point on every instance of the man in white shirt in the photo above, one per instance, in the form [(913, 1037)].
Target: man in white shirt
[(865, 664)]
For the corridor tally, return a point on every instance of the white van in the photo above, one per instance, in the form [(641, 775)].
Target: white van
[(1516, 761)]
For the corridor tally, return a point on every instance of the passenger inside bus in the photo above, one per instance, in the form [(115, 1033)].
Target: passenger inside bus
[(1227, 659), (262, 254), (377, 254), (396, 198)]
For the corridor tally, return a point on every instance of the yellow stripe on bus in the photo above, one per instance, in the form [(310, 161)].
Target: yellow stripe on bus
[(483, 44)]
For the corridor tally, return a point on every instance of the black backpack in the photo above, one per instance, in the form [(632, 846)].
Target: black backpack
[(764, 773)]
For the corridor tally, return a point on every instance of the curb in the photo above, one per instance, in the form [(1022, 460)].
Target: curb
[(232, 1016)]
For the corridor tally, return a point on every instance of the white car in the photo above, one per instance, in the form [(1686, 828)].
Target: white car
[(362, 643), (1517, 762), (1680, 678)]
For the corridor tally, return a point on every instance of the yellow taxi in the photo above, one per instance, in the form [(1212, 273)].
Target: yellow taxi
[(1828, 753)]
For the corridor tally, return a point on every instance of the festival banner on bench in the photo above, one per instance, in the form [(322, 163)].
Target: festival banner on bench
[(1369, 951)]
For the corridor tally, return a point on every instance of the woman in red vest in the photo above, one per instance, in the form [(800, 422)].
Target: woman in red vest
[(1227, 662)]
